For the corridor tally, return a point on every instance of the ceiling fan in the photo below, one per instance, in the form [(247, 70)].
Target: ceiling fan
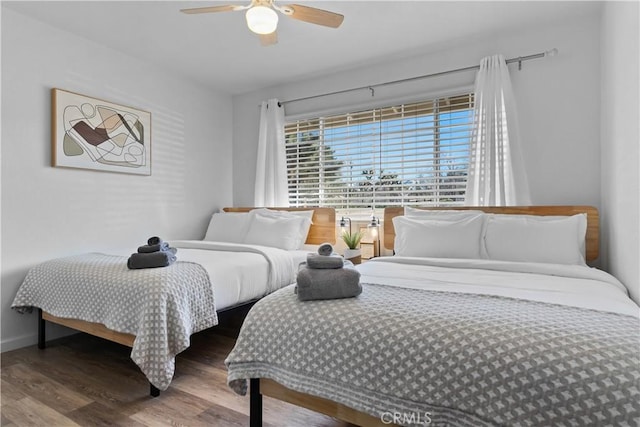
[(263, 20)]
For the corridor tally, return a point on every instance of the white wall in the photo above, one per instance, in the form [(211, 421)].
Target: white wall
[(52, 212), (620, 215), (558, 101)]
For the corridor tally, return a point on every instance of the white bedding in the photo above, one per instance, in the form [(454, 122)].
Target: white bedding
[(239, 272), (573, 285), (161, 306)]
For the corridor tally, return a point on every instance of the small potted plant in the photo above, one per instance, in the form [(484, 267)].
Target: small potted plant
[(352, 240)]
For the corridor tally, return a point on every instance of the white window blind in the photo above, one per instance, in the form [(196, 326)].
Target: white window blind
[(408, 154)]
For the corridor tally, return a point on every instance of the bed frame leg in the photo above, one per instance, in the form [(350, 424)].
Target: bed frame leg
[(153, 390), (255, 403), (41, 330)]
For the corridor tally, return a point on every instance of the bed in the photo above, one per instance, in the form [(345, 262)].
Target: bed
[(460, 339), (247, 253)]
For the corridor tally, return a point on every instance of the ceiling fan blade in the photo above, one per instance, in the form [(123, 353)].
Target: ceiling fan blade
[(313, 15), (269, 39), (212, 9)]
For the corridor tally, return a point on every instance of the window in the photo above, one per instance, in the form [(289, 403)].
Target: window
[(408, 154)]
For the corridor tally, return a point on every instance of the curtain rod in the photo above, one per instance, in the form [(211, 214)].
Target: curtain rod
[(519, 60)]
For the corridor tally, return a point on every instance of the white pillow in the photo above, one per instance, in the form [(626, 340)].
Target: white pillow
[(284, 232), (532, 238), (284, 214), (304, 225), (437, 238), (228, 227), (443, 215)]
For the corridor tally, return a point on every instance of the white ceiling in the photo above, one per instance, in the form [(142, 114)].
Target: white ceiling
[(219, 51)]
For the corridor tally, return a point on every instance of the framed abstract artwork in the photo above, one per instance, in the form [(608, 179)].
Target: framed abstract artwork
[(89, 133)]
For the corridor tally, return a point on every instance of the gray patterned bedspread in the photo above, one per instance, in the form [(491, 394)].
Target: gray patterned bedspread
[(161, 306), (450, 358)]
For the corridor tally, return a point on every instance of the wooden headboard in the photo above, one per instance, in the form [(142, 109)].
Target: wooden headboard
[(592, 237), (323, 228)]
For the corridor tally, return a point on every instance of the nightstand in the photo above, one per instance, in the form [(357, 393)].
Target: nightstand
[(355, 260)]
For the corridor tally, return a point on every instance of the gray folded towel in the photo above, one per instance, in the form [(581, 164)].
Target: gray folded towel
[(151, 260), (325, 249), (323, 261), (155, 240), (162, 246), (314, 284)]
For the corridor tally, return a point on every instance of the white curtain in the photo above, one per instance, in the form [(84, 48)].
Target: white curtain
[(496, 169), (271, 166)]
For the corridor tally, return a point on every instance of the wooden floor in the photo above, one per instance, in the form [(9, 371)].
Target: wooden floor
[(86, 381)]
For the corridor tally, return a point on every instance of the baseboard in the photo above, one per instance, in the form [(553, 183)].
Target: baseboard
[(53, 332), (18, 342)]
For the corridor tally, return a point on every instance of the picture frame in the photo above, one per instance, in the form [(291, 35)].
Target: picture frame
[(91, 133)]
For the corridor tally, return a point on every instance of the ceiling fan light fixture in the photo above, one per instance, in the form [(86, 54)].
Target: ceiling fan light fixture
[(262, 19)]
